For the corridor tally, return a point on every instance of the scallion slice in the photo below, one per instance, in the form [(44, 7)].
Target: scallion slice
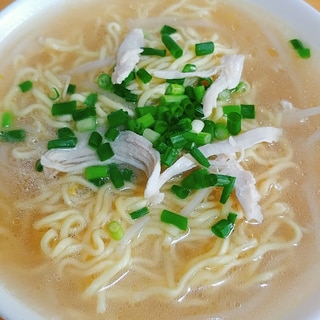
[(139, 213), (144, 75), (64, 143), (170, 156), (166, 29), (189, 67), (112, 133), (224, 227), (175, 219), (7, 119), (96, 172), (234, 123), (104, 81), (91, 100), (17, 135), (116, 175), (104, 151), (115, 230), (227, 189), (63, 108), (71, 89), (26, 85), (117, 118), (180, 192), (221, 132), (248, 111), (95, 139), (153, 52), (204, 48), (172, 46), (200, 157), (301, 50), (65, 132), (87, 124)]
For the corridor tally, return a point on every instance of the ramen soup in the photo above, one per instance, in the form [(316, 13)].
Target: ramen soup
[(159, 162)]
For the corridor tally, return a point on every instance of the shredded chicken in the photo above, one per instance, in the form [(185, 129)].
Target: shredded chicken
[(128, 55), (229, 77)]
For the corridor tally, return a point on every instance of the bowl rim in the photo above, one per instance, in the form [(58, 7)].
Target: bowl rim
[(298, 14)]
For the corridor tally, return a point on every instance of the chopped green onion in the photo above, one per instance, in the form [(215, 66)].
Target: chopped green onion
[(115, 230), (209, 127), (227, 189), (17, 135), (175, 219), (117, 118), (141, 111), (170, 98), (180, 192), (56, 94), (248, 111), (153, 52), (95, 139), (178, 81), (200, 139), (177, 140), (222, 180), (172, 46), (146, 120), (221, 131), (175, 89), (112, 133), (63, 108), (231, 108), (7, 119), (189, 67), (96, 172), (71, 89), (131, 76), (84, 113), (139, 213), (160, 126), (104, 81), (87, 124), (116, 175), (200, 157), (167, 30), (25, 86), (38, 166), (144, 75), (224, 227), (64, 143), (65, 132), (301, 50), (234, 123), (151, 135), (199, 92), (184, 124), (232, 217), (198, 179), (204, 48), (105, 151), (91, 100), (170, 156)]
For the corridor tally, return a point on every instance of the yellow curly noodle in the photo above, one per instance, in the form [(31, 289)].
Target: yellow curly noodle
[(157, 260)]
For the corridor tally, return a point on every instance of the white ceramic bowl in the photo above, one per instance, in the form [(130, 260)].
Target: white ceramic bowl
[(296, 13)]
